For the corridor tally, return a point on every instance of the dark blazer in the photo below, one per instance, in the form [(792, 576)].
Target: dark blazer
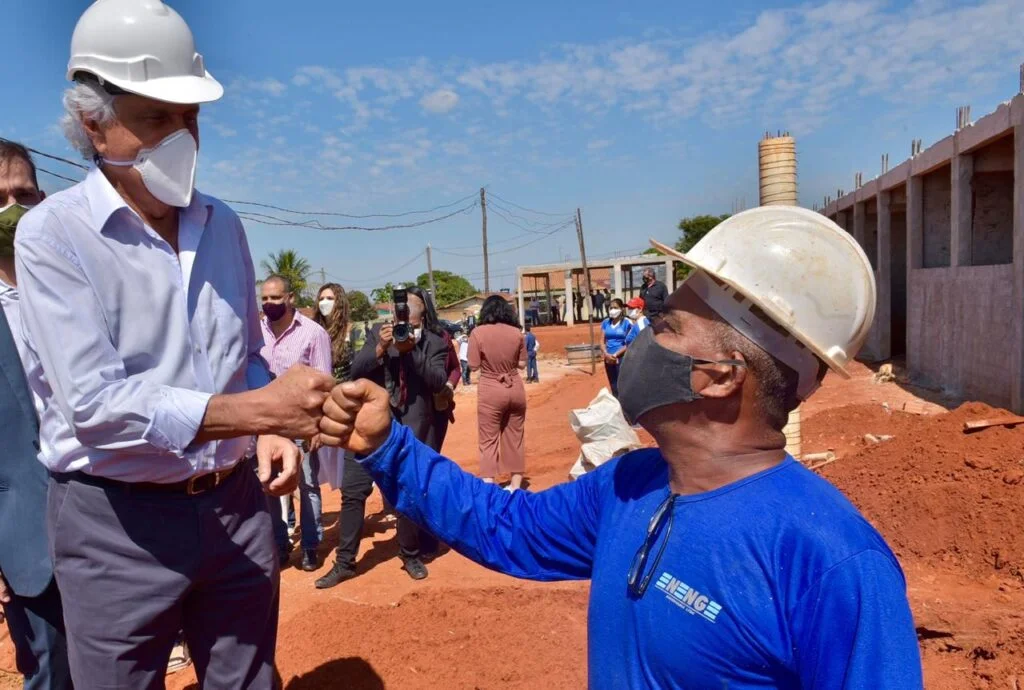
[(425, 374), (24, 554)]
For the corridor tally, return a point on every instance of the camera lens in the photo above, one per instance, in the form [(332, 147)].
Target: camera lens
[(401, 332)]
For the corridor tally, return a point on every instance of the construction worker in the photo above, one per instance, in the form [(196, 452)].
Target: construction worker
[(716, 560), (143, 341)]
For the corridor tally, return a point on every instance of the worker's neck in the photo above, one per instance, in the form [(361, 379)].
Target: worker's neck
[(709, 455), (282, 324), (7, 270)]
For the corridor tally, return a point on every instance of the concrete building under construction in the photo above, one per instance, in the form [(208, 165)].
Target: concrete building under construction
[(944, 231)]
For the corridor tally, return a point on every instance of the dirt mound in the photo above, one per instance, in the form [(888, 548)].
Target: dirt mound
[(937, 493)]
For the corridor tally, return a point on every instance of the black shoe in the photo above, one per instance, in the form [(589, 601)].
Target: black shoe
[(335, 576), (415, 568), (286, 555), (309, 560)]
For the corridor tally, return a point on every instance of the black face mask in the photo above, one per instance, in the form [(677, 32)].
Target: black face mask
[(275, 310), (653, 376)]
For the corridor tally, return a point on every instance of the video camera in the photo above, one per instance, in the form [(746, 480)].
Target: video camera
[(401, 330)]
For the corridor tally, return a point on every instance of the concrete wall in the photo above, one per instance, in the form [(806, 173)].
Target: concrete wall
[(950, 258), (959, 335), (937, 189)]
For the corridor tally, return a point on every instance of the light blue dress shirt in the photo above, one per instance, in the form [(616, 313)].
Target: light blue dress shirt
[(126, 347)]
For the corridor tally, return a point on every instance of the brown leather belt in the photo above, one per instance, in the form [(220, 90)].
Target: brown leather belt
[(192, 486)]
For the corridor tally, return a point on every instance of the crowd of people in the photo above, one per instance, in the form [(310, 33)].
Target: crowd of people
[(153, 420)]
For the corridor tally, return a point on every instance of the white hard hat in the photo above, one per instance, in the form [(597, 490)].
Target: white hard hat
[(142, 47), (798, 269)]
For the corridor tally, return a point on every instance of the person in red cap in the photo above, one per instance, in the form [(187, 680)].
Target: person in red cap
[(635, 313)]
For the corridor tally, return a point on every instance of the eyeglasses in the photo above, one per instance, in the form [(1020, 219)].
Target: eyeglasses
[(638, 587)]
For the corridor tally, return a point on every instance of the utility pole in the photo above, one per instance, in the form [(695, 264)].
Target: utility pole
[(483, 213), (323, 275), (586, 277), (430, 275)]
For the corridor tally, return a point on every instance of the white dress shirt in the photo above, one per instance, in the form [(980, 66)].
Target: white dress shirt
[(125, 347)]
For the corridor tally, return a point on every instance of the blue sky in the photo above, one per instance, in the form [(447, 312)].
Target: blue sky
[(639, 116)]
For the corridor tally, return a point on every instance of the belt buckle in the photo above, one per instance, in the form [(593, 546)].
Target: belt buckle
[(190, 486)]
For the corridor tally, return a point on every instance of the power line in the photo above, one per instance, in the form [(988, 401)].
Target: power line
[(524, 208), (47, 155), (543, 236), (536, 231), (317, 225), (530, 221), (68, 179), (350, 215), (376, 282)]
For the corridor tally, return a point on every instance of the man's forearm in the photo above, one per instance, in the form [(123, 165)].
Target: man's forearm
[(236, 414)]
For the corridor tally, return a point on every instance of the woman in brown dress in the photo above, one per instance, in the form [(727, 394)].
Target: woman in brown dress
[(497, 351)]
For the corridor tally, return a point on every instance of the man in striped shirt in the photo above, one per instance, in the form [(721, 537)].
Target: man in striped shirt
[(290, 338)]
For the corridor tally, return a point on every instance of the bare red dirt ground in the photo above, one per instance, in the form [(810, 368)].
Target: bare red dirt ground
[(949, 505)]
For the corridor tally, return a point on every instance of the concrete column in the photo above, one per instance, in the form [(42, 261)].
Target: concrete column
[(1016, 368), (670, 275), (617, 280), (915, 226), (519, 297), (841, 220), (570, 310), (859, 215), (960, 209), (883, 274)]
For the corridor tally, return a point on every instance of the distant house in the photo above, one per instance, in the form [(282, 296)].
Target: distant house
[(470, 306)]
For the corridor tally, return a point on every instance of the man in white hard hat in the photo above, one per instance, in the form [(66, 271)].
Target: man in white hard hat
[(716, 560), (141, 320)]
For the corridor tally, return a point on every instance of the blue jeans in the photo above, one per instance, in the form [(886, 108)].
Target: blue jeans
[(465, 372), (310, 508), (531, 367)]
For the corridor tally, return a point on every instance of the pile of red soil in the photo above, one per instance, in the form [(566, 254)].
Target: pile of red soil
[(939, 494)]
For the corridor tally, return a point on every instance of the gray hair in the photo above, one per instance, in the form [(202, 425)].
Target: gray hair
[(85, 100)]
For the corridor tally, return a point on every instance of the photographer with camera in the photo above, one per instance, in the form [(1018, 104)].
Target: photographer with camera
[(408, 358)]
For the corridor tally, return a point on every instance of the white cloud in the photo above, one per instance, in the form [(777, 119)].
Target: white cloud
[(224, 130), (599, 144), (271, 87), (440, 101)]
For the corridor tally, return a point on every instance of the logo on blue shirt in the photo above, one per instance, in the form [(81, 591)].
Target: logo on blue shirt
[(687, 598)]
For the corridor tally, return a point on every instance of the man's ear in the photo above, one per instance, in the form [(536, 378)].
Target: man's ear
[(720, 380)]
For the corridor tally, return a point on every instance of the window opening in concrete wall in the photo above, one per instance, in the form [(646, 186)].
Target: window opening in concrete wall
[(992, 204), (937, 190), (898, 271), (871, 231)]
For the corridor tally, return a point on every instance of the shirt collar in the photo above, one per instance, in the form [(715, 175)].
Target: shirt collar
[(296, 322), (8, 290), (104, 201)]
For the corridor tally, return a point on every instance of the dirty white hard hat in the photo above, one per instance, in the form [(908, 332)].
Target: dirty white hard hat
[(792, 281), (142, 47)]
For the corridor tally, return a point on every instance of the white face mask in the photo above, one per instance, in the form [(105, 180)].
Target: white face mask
[(168, 169), (634, 314), (416, 334), (326, 306), (615, 313)]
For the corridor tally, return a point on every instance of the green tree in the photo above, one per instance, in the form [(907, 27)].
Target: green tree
[(652, 251), (693, 230), (450, 287), (361, 309), (383, 295), (289, 264)]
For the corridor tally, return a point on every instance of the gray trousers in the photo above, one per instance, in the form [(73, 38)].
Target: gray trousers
[(138, 567)]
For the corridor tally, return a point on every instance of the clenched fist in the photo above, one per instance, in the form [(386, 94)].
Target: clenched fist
[(298, 398), (357, 416)]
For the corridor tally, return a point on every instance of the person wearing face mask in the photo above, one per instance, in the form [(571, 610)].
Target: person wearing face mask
[(635, 313), (616, 330), (29, 599), (289, 339), (143, 337), (413, 372), (716, 559), (653, 293)]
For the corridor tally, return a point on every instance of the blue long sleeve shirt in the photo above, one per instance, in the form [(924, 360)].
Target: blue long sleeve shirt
[(774, 581)]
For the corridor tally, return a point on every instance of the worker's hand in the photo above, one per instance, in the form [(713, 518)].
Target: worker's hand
[(297, 398), (357, 416), (277, 451), (314, 444)]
